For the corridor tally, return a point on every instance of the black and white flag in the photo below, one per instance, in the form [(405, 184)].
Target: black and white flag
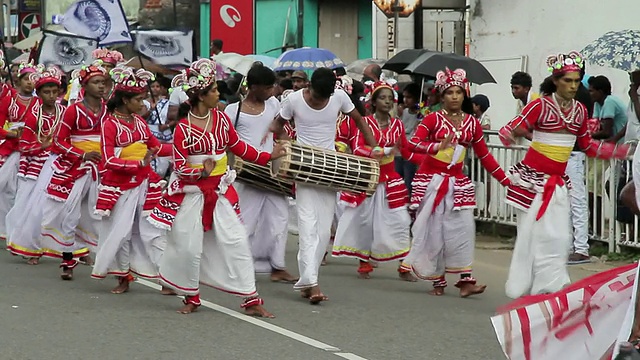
[(67, 51), (165, 47), (101, 19)]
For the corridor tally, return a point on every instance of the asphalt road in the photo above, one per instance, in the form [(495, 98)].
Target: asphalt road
[(43, 317)]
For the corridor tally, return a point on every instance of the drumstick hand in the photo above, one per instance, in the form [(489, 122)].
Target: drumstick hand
[(209, 165), (278, 151), (446, 142)]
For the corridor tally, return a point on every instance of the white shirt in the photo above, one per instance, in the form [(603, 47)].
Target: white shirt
[(316, 127), (633, 124), (178, 96), (252, 128)]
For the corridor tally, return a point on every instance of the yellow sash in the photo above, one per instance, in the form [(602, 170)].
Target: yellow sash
[(219, 169), (554, 152), (136, 151), (386, 160), (446, 155), (86, 145)]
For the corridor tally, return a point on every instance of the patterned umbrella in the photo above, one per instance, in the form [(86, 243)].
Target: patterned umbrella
[(307, 59), (615, 49)]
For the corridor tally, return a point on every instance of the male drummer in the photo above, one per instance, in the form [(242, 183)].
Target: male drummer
[(265, 214), (315, 109)]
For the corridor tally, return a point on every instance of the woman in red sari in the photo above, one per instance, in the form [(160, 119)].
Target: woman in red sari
[(129, 189), (206, 243)]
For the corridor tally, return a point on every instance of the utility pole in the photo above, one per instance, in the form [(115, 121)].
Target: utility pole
[(396, 17), (300, 30)]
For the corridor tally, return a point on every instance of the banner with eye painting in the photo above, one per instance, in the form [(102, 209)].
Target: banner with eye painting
[(67, 51), (100, 19), (164, 47)]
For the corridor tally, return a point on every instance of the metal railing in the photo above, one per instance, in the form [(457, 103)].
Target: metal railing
[(602, 185)]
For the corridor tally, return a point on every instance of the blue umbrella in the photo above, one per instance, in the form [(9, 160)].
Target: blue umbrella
[(615, 49), (264, 59), (307, 59)]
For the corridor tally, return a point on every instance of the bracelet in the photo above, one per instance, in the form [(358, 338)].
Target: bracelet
[(377, 149)]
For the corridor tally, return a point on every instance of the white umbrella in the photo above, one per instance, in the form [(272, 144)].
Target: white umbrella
[(240, 63)]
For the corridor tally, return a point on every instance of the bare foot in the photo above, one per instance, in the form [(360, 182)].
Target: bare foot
[(258, 311), (407, 276), (33, 261), (364, 275), (305, 293), (324, 260), (283, 276), (188, 309), (123, 286), (67, 274), (374, 264), (437, 291), (467, 290), (86, 260), (316, 296), (166, 291)]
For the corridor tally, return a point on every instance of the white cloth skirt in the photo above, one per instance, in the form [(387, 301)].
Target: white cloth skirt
[(316, 209), (8, 188), (24, 239), (539, 262), (129, 243), (265, 216), (62, 221), (444, 239), (293, 216), (220, 258), (373, 231)]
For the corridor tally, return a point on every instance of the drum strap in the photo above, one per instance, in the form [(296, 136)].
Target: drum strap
[(235, 123)]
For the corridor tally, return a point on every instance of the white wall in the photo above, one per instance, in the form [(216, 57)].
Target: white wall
[(536, 29)]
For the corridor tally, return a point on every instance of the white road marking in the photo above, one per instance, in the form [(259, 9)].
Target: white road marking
[(267, 326)]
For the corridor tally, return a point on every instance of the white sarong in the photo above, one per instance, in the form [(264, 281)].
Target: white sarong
[(24, 239), (129, 243), (220, 258), (373, 231), (444, 239), (265, 216), (71, 226), (8, 188), (316, 208), (539, 262)]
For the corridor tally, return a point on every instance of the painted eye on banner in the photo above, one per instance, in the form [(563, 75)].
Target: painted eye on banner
[(230, 15), (68, 52), (96, 18), (161, 46)]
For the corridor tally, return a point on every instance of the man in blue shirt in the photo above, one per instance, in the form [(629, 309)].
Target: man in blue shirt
[(609, 109)]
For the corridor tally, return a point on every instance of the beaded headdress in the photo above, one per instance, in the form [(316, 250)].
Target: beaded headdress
[(87, 72), (112, 57), (371, 87), (447, 78), (345, 83), (26, 68), (130, 80), (563, 63), (198, 76), (46, 75)]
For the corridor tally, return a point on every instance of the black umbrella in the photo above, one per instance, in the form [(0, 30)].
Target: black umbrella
[(428, 64), (402, 59)]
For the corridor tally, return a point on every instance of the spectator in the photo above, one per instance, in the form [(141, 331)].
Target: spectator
[(521, 84), (216, 47), (300, 80), (608, 109), (411, 117)]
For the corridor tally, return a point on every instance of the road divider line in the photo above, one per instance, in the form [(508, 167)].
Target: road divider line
[(265, 325)]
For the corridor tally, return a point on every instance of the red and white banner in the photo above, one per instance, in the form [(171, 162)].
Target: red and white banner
[(232, 21), (583, 321)]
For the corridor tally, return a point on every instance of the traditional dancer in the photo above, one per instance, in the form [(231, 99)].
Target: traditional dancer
[(265, 214), (5, 87), (314, 110), (68, 224), (41, 122), (13, 110), (377, 227), (539, 183), (207, 243), (129, 189), (444, 229), (105, 58)]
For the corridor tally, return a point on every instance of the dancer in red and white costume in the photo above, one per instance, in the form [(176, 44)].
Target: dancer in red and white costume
[(13, 109), (129, 189), (444, 229), (207, 243), (35, 171), (105, 58), (69, 225), (5, 87), (265, 214), (540, 184), (377, 227)]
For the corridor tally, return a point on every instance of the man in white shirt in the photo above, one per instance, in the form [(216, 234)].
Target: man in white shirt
[(315, 110), (265, 214)]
